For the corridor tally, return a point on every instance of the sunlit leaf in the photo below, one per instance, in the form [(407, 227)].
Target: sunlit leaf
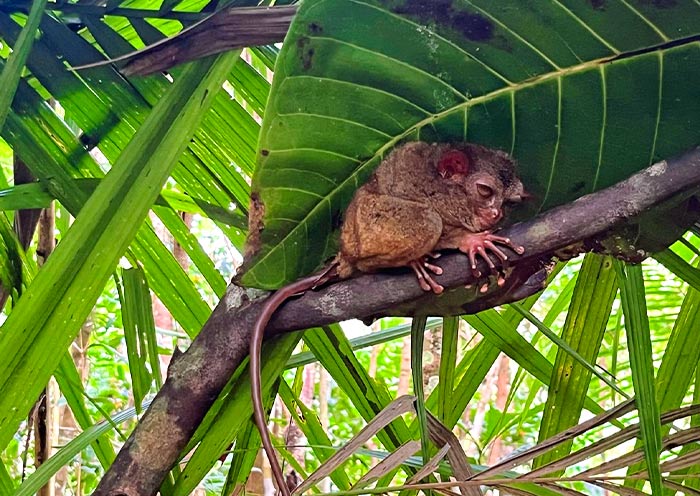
[(11, 73), (139, 333), (448, 362), (54, 307), (638, 338), (417, 343), (585, 325), (6, 484)]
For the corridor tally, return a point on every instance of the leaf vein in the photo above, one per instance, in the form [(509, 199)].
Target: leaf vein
[(339, 119), (658, 108), (310, 149), (604, 90), (587, 27), (653, 26), (307, 172), (466, 123), (395, 61), (556, 144), (282, 219), (330, 223), (523, 40), (294, 190), (369, 88), (512, 123)]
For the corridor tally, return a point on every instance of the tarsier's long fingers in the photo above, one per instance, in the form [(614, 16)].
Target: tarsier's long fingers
[(505, 242), (496, 250), (482, 251), (472, 262), (425, 280), (432, 268), (481, 244)]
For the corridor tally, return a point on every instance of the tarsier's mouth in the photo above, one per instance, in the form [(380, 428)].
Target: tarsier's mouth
[(483, 221), (489, 217)]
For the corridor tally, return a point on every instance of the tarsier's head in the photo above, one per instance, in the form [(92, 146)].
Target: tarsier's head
[(487, 177)]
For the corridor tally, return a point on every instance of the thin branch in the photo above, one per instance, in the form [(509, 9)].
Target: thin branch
[(196, 378), (228, 29)]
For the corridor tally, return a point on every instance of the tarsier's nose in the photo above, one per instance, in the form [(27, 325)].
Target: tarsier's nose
[(495, 214)]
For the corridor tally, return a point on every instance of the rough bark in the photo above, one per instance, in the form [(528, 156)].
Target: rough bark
[(196, 378), (46, 436)]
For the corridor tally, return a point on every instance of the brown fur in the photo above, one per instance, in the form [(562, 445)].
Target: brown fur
[(407, 209)]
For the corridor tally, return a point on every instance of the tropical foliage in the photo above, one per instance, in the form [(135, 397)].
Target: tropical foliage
[(583, 94)]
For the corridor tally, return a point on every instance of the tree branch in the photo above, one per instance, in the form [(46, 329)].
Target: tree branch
[(196, 378), (228, 29)]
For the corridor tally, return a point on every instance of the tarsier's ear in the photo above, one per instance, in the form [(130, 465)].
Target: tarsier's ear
[(453, 162)]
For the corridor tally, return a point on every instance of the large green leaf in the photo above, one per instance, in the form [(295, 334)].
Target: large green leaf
[(581, 93)]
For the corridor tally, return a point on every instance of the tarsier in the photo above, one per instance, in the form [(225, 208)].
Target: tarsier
[(421, 199), (424, 198)]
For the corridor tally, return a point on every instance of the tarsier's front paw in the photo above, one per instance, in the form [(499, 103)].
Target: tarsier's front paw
[(481, 244), (421, 267)]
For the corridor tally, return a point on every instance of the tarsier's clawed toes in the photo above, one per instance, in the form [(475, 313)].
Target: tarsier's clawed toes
[(473, 245), (422, 269), (481, 244)]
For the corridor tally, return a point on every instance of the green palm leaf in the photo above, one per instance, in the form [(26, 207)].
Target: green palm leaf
[(580, 101), (584, 329), (10, 76), (638, 336), (51, 311)]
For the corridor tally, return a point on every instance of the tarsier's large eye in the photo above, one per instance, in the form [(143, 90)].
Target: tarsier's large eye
[(485, 191)]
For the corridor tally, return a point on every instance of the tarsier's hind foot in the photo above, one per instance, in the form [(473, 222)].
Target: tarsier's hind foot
[(421, 267), (480, 244)]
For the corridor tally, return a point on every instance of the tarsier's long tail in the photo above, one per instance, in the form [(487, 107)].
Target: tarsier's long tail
[(270, 306)]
